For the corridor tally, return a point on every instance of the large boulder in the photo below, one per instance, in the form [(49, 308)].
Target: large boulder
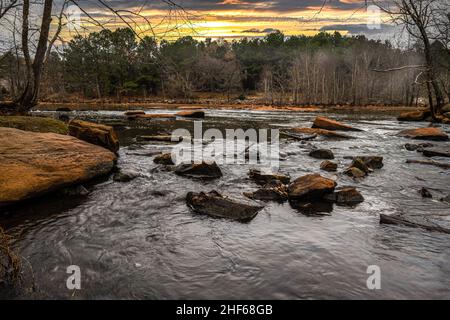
[(428, 133), (322, 132), (94, 133), (33, 164), (35, 124), (202, 170), (418, 115), (214, 204), (333, 125), (310, 187)]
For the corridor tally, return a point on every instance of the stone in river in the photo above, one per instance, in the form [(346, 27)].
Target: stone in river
[(355, 173), (217, 205), (33, 164), (165, 159), (328, 166), (94, 133), (191, 114), (322, 154), (202, 170), (310, 187), (417, 115), (429, 133), (264, 178), (413, 221), (437, 152), (273, 191), (345, 196), (425, 193), (333, 125)]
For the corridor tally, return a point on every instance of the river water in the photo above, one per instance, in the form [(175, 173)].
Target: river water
[(139, 240)]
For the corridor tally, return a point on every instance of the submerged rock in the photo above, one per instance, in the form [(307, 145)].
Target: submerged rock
[(418, 115), (345, 196), (216, 205), (192, 114), (412, 221), (373, 162), (428, 133), (165, 159), (94, 133), (202, 170), (361, 165), (437, 152), (322, 154), (263, 178), (445, 199), (328, 166), (310, 187), (425, 193), (312, 208), (76, 191), (322, 132), (124, 176), (33, 164), (329, 124)]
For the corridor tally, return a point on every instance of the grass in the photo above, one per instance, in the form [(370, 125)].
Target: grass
[(35, 124), (10, 262)]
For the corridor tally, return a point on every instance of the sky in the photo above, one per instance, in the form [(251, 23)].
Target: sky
[(229, 19)]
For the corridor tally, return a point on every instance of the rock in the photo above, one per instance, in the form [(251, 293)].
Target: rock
[(418, 115), (446, 108), (216, 205), (328, 166), (373, 162), (322, 132), (329, 124), (134, 113), (124, 176), (411, 147), (33, 164), (425, 193), (162, 138), (165, 159), (310, 187), (361, 165), (199, 170), (430, 162), (354, 173), (94, 133), (63, 109), (412, 221), (445, 199), (428, 133), (262, 178), (437, 152), (322, 154), (314, 208), (191, 114), (345, 196), (274, 191), (76, 191), (34, 124)]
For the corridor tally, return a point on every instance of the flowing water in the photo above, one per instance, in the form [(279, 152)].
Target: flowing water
[(139, 239)]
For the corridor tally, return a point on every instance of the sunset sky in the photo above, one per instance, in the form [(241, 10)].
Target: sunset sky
[(232, 18)]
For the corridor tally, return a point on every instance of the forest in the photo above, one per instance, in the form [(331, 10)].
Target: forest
[(325, 69)]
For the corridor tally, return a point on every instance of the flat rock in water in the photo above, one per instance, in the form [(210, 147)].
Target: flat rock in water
[(264, 178), (94, 133), (274, 191), (329, 124), (33, 164), (345, 196), (418, 115), (165, 159), (310, 187), (428, 133), (355, 173), (373, 162), (437, 152), (322, 154), (216, 205), (322, 132), (329, 166), (134, 112), (124, 176), (413, 221), (199, 170)]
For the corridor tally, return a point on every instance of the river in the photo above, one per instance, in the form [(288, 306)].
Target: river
[(139, 240)]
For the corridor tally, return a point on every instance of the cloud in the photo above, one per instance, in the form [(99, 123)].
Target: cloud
[(355, 29), (266, 31)]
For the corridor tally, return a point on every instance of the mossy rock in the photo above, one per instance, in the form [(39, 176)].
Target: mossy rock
[(34, 124)]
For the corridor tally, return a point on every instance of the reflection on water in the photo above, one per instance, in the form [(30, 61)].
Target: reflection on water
[(139, 239)]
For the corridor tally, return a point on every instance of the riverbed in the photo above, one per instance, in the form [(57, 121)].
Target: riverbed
[(139, 240)]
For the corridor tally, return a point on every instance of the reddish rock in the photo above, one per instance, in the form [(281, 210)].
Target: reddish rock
[(310, 187), (333, 125), (428, 133), (94, 133)]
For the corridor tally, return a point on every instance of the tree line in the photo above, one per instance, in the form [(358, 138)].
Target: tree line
[(321, 69)]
